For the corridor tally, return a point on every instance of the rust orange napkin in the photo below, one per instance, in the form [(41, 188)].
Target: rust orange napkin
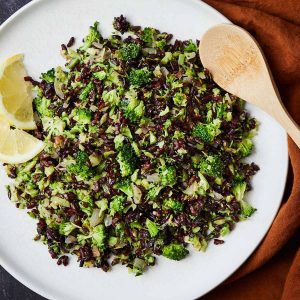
[(273, 271)]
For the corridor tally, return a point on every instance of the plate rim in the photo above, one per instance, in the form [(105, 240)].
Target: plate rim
[(48, 295)]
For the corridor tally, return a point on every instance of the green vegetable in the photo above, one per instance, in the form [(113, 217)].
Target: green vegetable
[(93, 36), (49, 76), (127, 160), (86, 91), (139, 77), (152, 228), (99, 236), (83, 115), (207, 132), (245, 147), (117, 204), (148, 35), (175, 251), (130, 51), (168, 176), (125, 186), (176, 206), (212, 166), (42, 106)]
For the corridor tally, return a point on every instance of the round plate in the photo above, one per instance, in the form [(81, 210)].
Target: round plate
[(38, 30)]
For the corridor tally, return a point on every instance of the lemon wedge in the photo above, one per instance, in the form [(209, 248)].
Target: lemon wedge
[(17, 146), (15, 94)]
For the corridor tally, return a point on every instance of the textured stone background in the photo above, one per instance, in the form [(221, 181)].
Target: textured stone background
[(11, 289)]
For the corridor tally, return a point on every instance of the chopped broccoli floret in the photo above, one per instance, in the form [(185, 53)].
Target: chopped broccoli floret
[(152, 228), (245, 147), (246, 209), (139, 77), (180, 99), (111, 97), (130, 51), (212, 166), (207, 132), (100, 75), (83, 172), (133, 109), (42, 107), (93, 36), (99, 236), (81, 157), (49, 76), (147, 35), (239, 190), (86, 91), (191, 47), (117, 204), (127, 160), (118, 140), (65, 228), (126, 187), (168, 175), (80, 168), (154, 192), (176, 206), (83, 115), (175, 251)]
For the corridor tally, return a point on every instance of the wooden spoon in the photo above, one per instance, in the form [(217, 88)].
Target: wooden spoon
[(238, 65)]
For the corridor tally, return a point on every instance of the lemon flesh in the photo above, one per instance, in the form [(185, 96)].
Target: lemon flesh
[(17, 146), (15, 94)]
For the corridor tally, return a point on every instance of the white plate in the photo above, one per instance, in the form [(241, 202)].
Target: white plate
[(38, 30)]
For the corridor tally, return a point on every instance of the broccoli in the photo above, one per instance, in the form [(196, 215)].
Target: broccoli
[(153, 192), (118, 140), (176, 206), (83, 172), (148, 35), (42, 107), (152, 228), (111, 97), (99, 236), (130, 51), (93, 36), (246, 209), (239, 190), (81, 157), (86, 91), (139, 77), (82, 115), (117, 204), (127, 160), (167, 175), (133, 109), (175, 251), (203, 185), (207, 132), (80, 168), (138, 267), (190, 47), (180, 99), (100, 75), (65, 228), (49, 76), (126, 187), (212, 166), (54, 126), (245, 147)]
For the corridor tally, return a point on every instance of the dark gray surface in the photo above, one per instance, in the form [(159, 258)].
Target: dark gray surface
[(11, 289)]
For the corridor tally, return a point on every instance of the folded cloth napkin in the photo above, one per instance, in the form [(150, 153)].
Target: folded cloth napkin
[(273, 270)]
